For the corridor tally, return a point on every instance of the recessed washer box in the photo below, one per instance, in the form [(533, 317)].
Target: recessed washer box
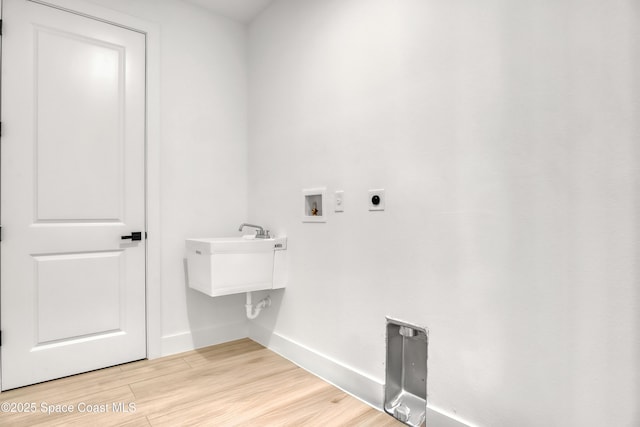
[(313, 204), (229, 265)]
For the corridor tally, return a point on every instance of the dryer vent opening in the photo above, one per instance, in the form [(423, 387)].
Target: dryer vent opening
[(405, 396)]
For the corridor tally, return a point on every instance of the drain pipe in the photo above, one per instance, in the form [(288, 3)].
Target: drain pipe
[(254, 311)]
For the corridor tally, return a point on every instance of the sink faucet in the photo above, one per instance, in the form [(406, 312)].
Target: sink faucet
[(260, 232)]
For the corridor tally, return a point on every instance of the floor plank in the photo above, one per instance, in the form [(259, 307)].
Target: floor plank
[(239, 383)]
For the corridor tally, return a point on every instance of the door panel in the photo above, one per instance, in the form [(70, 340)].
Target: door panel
[(78, 286), (90, 74), (72, 164)]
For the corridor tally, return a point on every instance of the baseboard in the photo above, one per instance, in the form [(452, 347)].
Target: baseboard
[(346, 378), (191, 340), (362, 386)]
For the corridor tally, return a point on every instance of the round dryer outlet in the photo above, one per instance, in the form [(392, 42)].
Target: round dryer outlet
[(376, 200)]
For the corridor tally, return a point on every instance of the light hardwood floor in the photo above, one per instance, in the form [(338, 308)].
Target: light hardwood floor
[(239, 383)]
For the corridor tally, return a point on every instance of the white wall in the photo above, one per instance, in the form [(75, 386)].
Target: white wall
[(203, 158), (505, 133)]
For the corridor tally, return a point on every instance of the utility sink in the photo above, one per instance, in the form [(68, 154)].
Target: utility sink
[(228, 265), (233, 244)]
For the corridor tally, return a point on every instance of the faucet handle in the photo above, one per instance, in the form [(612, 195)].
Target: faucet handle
[(262, 234)]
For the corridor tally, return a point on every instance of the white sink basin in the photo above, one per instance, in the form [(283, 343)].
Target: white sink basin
[(228, 265), (231, 244)]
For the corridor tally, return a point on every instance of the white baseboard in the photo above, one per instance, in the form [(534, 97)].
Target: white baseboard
[(346, 378), (360, 385), (191, 340)]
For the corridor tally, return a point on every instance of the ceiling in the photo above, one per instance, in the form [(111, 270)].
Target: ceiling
[(239, 10)]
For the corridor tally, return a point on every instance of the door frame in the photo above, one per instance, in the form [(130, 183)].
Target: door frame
[(152, 152)]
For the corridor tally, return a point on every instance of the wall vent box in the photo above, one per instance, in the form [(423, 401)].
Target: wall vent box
[(405, 390), (314, 206)]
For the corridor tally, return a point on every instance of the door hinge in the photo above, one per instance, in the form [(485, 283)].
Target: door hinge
[(145, 235), (0, 338), (0, 27)]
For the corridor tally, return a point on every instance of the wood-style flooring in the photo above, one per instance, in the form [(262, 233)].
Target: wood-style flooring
[(239, 383)]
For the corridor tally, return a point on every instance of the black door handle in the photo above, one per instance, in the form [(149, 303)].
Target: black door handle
[(136, 235)]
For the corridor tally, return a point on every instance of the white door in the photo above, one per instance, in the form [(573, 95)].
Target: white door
[(72, 172)]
